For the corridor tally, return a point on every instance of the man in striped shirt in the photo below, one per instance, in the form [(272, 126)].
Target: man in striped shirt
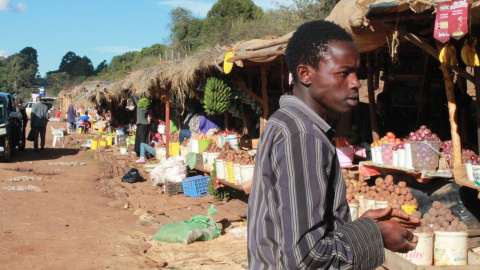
[(298, 216)]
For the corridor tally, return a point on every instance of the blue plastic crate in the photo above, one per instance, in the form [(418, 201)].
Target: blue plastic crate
[(195, 186)]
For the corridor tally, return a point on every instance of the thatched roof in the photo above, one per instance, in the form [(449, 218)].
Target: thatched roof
[(177, 77), (366, 20), (82, 95)]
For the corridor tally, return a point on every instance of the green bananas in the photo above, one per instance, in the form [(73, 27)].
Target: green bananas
[(217, 96), (144, 103)]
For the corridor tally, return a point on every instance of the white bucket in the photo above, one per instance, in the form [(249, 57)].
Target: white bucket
[(225, 171), (354, 210), (183, 151), (361, 204), (236, 174), (378, 153), (246, 172), (232, 139), (408, 156), (194, 146), (160, 153), (369, 205), (123, 150), (450, 248), (211, 160), (469, 169), (381, 204), (220, 169), (423, 252)]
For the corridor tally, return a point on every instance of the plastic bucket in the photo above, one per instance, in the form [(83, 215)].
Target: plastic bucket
[(345, 156), (423, 252), (202, 145), (387, 153), (102, 143), (194, 146), (236, 174), (94, 145), (160, 153), (100, 129), (476, 174), (378, 154), (246, 172), (211, 158), (123, 150), (225, 171), (220, 169), (183, 151), (229, 172), (232, 139), (80, 130), (221, 140), (424, 158), (450, 248), (109, 140), (469, 169), (409, 209), (361, 204), (369, 205), (174, 149), (354, 210), (381, 204)]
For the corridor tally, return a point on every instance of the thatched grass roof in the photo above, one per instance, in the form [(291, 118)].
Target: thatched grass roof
[(177, 77)]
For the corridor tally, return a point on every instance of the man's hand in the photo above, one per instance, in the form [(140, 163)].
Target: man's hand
[(397, 215), (396, 238)]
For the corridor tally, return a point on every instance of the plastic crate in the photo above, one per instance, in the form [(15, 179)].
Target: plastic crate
[(195, 186), (173, 188)]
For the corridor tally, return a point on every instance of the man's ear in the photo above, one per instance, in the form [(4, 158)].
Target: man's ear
[(303, 74)]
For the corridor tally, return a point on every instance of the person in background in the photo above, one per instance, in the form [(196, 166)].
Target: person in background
[(22, 111), (298, 216), (142, 126), (84, 120), (38, 123), (211, 122), (149, 147), (71, 117)]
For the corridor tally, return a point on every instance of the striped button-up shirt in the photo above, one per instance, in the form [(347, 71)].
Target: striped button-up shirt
[(298, 215)]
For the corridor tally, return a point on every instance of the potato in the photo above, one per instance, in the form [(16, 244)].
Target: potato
[(351, 176), (402, 184), (349, 197), (401, 199), (409, 197), (445, 224), (451, 229), (364, 184), (391, 188), (349, 191), (449, 217), (403, 191), (437, 204), (397, 190), (455, 223), (433, 212), (414, 201), (379, 182), (417, 214), (426, 216), (436, 227), (426, 229), (423, 222), (462, 227), (441, 219), (433, 220), (397, 205), (367, 188), (389, 180), (354, 201)]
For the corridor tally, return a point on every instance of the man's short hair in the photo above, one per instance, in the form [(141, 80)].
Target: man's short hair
[(310, 43)]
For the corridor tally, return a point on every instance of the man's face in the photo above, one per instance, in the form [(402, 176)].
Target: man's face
[(334, 85)]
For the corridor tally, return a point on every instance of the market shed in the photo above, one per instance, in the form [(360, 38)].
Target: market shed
[(400, 28)]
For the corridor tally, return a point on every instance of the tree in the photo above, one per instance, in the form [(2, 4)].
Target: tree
[(185, 29), (103, 65), (76, 65), (31, 53), (223, 14), (17, 72), (302, 11)]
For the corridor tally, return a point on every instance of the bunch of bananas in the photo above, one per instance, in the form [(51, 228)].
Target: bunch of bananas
[(469, 55), (143, 103), (448, 55), (217, 96)]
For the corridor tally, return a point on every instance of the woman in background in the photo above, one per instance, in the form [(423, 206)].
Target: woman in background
[(71, 115)]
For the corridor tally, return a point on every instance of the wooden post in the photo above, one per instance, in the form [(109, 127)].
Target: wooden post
[(452, 109), (263, 119), (371, 101), (427, 75), (476, 73), (167, 124)]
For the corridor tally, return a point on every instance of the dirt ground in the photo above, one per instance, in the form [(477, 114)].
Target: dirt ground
[(67, 220)]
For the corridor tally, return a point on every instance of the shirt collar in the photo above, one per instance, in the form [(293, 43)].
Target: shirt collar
[(293, 101)]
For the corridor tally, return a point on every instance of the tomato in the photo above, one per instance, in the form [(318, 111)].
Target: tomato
[(398, 141), (390, 135), (391, 140)]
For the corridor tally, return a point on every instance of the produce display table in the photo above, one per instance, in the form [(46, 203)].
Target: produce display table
[(370, 168), (219, 182)]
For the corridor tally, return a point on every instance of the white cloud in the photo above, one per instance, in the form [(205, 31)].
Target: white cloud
[(200, 8), (6, 6), (4, 53), (116, 49)]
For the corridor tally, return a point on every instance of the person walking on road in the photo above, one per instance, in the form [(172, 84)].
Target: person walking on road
[(71, 117), (21, 109), (38, 123), (298, 216)]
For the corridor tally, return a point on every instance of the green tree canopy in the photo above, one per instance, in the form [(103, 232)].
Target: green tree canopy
[(17, 72), (76, 65), (185, 29)]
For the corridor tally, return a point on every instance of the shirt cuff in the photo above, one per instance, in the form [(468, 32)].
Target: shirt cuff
[(366, 242)]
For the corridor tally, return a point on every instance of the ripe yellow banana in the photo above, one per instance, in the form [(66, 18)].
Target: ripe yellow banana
[(469, 55), (448, 55)]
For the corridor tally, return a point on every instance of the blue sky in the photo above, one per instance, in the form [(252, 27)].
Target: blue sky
[(98, 29)]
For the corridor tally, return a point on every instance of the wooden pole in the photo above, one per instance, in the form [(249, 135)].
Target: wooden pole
[(167, 124), (452, 109), (427, 75), (476, 73), (371, 101), (263, 119)]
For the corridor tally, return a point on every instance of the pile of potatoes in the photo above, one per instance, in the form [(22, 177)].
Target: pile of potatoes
[(212, 147), (439, 218), (351, 183)]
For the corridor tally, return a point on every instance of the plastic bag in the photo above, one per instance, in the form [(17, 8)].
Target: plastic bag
[(131, 176), (199, 228)]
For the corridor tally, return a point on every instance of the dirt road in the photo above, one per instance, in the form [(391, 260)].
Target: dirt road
[(66, 220)]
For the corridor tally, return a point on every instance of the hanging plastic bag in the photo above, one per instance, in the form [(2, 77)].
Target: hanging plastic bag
[(199, 228)]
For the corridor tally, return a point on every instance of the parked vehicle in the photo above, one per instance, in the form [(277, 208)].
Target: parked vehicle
[(10, 125), (28, 108), (45, 100)]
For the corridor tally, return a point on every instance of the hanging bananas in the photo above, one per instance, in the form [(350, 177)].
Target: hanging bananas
[(217, 96), (469, 55), (448, 55)]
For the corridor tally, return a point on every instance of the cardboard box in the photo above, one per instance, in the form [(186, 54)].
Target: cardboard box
[(249, 143)]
